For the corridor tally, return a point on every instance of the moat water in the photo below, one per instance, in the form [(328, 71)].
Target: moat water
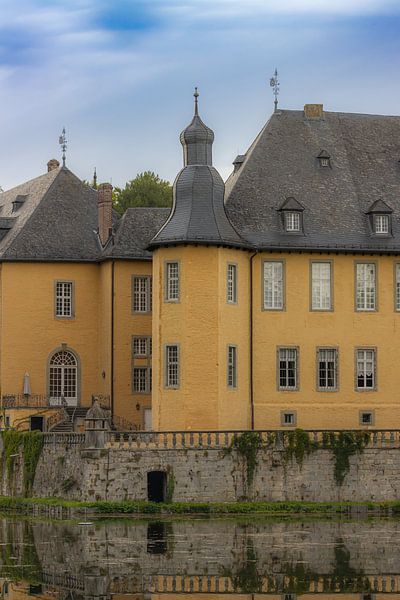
[(199, 557)]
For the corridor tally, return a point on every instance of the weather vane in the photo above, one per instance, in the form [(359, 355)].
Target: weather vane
[(274, 83), (62, 140)]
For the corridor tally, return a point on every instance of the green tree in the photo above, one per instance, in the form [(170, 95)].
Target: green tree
[(147, 189)]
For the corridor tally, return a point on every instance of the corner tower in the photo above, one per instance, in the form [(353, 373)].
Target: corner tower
[(200, 301)]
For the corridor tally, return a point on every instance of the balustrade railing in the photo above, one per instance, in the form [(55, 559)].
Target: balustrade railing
[(24, 401), (278, 439), (66, 439)]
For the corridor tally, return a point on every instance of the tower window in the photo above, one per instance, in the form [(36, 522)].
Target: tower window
[(64, 299), (172, 366), (231, 284), (172, 282), (141, 294), (232, 367)]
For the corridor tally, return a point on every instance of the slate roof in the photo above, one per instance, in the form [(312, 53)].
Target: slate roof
[(58, 221), (198, 214), (134, 231), (283, 162)]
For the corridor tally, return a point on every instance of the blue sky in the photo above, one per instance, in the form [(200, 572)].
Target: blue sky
[(120, 75)]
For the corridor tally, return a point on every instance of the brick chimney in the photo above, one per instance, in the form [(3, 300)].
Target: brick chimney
[(52, 164), (105, 211), (314, 111)]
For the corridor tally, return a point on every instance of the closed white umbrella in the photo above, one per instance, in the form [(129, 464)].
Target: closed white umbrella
[(27, 385)]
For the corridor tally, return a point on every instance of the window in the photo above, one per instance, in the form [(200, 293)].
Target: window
[(141, 364), (397, 288), (367, 417), (141, 347), (365, 286), (142, 294), (63, 378), (381, 224), (365, 359), (288, 371), (232, 367), (327, 369), (273, 285), (64, 299), (171, 366), (172, 282), (231, 284), (321, 286), (288, 419), (292, 221), (141, 380)]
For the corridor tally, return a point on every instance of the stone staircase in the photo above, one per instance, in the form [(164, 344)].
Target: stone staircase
[(73, 412)]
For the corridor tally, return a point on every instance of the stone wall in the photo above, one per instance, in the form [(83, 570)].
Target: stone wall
[(71, 471)]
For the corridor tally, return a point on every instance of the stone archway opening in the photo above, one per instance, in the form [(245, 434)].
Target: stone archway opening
[(156, 486)]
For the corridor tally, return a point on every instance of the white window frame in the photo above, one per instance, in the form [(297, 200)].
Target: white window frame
[(366, 286), (231, 283), (231, 367), (273, 285), (141, 294), (293, 221), (172, 366), (287, 355), (365, 366), (64, 299), (381, 224), (141, 346), (172, 281), (144, 380), (327, 356), (321, 286)]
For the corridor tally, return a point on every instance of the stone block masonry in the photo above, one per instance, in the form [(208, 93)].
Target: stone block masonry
[(119, 471)]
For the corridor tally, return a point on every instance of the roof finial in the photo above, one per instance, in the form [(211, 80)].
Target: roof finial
[(196, 104), (62, 140), (95, 179), (274, 83)]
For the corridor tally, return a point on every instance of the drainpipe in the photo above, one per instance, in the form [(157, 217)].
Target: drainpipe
[(112, 337), (251, 341)]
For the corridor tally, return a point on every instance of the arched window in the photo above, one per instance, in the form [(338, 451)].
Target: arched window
[(63, 378)]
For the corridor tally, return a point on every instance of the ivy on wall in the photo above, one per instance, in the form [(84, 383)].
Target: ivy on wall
[(28, 445)]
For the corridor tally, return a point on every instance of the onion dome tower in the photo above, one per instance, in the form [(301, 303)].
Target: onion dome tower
[(200, 287), (198, 214)]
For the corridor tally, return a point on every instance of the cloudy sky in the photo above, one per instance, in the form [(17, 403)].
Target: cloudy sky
[(119, 74)]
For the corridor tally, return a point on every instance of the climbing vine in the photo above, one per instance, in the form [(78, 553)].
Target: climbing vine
[(247, 444), (298, 445), (247, 579), (29, 446), (343, 445)]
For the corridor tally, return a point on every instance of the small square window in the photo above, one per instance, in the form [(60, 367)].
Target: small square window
[(367, 417), (288, 419)]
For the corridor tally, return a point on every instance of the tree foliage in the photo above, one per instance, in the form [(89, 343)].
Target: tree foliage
[(147, 189)]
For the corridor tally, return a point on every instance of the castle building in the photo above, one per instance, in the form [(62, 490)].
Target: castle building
[(270, 302)]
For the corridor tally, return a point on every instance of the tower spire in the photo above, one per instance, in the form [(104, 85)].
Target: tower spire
[(196, 103)]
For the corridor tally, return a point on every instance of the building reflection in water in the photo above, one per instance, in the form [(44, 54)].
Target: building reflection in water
[(200, 559)]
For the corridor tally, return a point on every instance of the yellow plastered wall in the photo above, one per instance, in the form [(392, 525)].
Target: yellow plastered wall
[(202, 324), (128, 324), (30, 332), (343, 328)]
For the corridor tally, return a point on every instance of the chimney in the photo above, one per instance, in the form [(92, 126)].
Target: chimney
[(52, 164), (105, 211), (314, 111)]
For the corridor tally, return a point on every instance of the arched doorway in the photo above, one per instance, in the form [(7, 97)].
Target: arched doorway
[(63, 378)]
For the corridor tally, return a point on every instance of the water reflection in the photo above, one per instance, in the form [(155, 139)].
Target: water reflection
[(164, 560)]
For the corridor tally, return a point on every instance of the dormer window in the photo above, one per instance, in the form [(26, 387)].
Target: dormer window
[(381, 223), (292, 221), (291, 214), (324, 159), (380, 218), (18, 202)]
